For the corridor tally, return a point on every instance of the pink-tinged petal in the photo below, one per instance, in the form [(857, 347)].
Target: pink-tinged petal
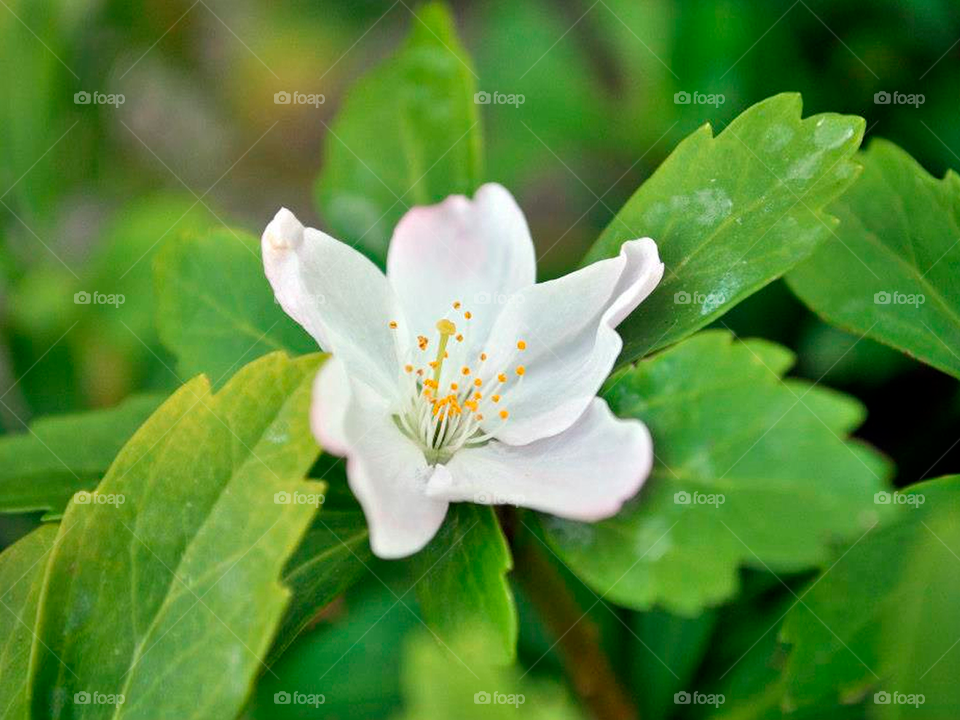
[(585, 473), (338, 296), (477, 252), (386, 471), (571, 345)]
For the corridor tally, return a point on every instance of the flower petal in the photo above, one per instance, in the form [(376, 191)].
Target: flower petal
[(387, 472), (477, 252), (571, 345), (585, 473), (338, 296)]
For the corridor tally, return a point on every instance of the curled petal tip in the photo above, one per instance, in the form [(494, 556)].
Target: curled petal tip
[(284, 232)]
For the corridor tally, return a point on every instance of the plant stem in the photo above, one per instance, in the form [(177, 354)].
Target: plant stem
[(586, 665)]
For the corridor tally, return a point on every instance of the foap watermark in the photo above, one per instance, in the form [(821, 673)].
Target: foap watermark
[(498, 499), (698, 98), (298, 498), (298, 698), (699, 498), (898, 298), (96, 498), (898, 98), (499, 698), (98, 298), (698, 298), (298, 98), (486, 298), (895, 498), (98, 698), (498, 98), (98, 98), (898, 698), (698, 698)]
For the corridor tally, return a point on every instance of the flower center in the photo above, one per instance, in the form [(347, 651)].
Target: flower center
[(446, 405)]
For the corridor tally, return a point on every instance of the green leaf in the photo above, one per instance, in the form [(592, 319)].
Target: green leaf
[(170, 594), (665, 661), (334, 554), (731, 213), (61, 454), (21, 577), (438, 686), (899, 242), (883, 617), (461, 580), (216, 310), (407, 134), (725, 423)]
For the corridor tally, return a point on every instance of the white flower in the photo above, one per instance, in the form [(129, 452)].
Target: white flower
[(456, 377)]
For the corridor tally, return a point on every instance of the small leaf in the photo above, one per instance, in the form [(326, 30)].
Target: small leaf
[(461, 580), (22, 568), (164, 583), (776, 480), (883, 618), (216, 310), (731, 213), (890, 273), (61, 454), (407, 134), (333, 555)]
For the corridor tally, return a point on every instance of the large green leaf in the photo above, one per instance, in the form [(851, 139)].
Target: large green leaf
[(724, 422), (172, 596), (43, 468), (883, 618), (891, 271), (21, 576), (438, 688), (461, 580), (407, 134), (731, 213), (216, 310)]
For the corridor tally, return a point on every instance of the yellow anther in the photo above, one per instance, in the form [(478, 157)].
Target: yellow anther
[(459, 338), (465, 370), (408, 368), (456, 305), (479, 416), (393, 324), (521, 345), (495, 398), (502, 377), (478, 396), (504, 414), (478, 382), (454, 386), (422, 342), (521, 369), (468, 314), (483, 356)]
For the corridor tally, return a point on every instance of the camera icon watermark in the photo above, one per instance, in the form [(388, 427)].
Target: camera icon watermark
[(498, 698), (898, 298), (697, 98), (98, 98), (298, 98), (98, 298), (84, 497), (497, 98), (895, 498), (699, 498), (299, 698), (298, 498), (898, 98), (898, 698), (698, 698)]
